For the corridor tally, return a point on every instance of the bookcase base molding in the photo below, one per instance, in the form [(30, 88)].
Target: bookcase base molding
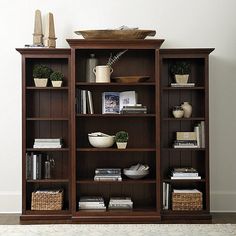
[(169, 155)]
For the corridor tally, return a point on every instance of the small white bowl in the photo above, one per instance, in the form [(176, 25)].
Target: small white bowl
[(101, 141), (134, 174)]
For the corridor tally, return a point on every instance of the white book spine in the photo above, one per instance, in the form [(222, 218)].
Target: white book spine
[(196, 129), (84, 101), (34, 166), (203, 133), (90, 101)]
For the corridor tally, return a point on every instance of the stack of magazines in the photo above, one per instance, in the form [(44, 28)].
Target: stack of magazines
[(47, 143), (91, 203), (120, 203), (135, 109), (108, 174)]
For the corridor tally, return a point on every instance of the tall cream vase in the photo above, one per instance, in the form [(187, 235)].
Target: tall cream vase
[(187, 109)]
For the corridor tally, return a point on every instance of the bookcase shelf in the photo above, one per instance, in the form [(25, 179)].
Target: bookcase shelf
[(51, 113), (183, 180)]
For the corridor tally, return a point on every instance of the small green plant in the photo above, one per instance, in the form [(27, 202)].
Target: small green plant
[(121, 137), (56, 76), (180, 68), (41, 71)]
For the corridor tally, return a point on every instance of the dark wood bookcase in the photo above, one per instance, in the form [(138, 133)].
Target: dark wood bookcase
[(50, 113)]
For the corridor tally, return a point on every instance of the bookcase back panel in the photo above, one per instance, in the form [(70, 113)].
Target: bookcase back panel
[(31, 187), (133, 62), (145, 95), (169, 129), (197, 74), (186, 158), (46, 129), (88, 162), (141, 131), (142, 195), (47, 103), (56, 64), (177, 97)]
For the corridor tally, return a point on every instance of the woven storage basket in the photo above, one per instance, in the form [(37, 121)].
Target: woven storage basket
[(186, 201), (51, 200)]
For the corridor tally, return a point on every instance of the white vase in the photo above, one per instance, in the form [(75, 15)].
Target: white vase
[(121, 145), (40, 82), (187, 109)]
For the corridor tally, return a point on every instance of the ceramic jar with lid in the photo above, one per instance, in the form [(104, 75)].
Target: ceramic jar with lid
[(178, 112)]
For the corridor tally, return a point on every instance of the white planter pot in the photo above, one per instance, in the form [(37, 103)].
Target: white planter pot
[(121, 145), (40, 82), (181, 79), (56, 83)]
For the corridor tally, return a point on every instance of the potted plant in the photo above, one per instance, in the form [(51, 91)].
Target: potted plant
[(41, 73), (56, 78), (181, 71), (121, 139)]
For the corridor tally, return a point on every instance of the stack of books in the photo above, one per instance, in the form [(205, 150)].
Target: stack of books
[(120, 203), (47, 143), (185, 173), (33, 166), (91, 203), (166, 196), (182, 85), (185, 140), (108, 174), (84, 102), (136, 109)]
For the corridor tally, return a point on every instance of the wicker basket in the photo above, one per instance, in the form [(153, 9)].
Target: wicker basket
[(47, 200), (186, 201)]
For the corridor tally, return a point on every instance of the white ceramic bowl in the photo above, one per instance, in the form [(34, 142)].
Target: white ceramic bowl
[(101, 142), (134, 174)]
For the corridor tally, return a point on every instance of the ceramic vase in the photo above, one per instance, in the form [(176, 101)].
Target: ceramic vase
[(187, 109), (178, 112)]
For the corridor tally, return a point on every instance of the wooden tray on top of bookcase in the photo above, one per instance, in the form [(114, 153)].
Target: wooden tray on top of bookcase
[(198, 98), (143, 146), (46, 114)]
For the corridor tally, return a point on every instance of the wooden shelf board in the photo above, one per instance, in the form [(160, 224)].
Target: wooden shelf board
[(47, 180), (47, 149), (183, 119), (184, 180), (170, 212), (183, 149), (124, 181), (116, 84), (115, 115), (184, 88), (47, 118), (115, 150), (46, 88)]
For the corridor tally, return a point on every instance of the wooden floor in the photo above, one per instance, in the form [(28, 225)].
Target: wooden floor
[(217, 218)]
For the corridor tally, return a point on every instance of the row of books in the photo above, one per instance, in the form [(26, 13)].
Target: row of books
[(195, 139), (47, 143), (84, 102), (136, 109), (185, 173), (33, 166), (185, 85), (108, 174), (97, 203)]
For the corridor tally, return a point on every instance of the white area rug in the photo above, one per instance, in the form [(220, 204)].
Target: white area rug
[(119, 230)]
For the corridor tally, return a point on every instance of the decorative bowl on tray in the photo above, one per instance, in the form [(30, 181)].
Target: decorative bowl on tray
[(131, 79), (116, 34), (135, 174)]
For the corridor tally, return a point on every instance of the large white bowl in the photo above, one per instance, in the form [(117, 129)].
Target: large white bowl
[(135, 174), (101, 142)]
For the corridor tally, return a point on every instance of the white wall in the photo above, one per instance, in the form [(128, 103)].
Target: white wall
[(183, 23)]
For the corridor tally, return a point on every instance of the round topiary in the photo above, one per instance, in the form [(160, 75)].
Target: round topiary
[(41, 71), (56, 76), (180, 68), (121, 137)]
